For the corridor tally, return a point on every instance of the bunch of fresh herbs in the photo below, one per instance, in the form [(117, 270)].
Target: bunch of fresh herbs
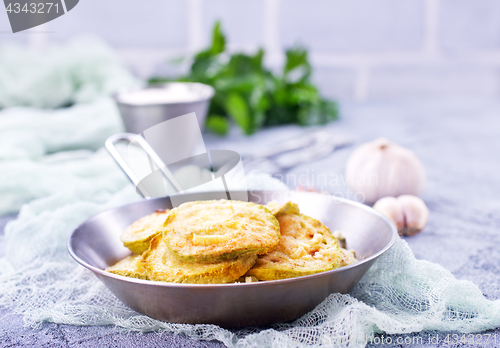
[(251, 95)]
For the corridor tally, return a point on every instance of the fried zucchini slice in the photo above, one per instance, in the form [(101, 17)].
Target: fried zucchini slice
[(138, 235), (161, 265), (306, 247), (279, 209), (129, 267), (348, 257), (213, 231)]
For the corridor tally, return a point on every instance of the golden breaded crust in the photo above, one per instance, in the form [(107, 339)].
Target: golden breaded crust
[(129, 267), (213, 231), (306, 247), (161, 265), (138, 235), (348, 257), (279, 209)]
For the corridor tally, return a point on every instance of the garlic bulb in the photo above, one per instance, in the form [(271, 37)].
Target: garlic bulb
[(382, 168), (409, 213)]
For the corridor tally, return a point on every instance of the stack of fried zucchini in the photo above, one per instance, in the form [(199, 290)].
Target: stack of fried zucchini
[(209, 242)]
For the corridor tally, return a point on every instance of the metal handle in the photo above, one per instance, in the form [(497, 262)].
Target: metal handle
[(143, 144)]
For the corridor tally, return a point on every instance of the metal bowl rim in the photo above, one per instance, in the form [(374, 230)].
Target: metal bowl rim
[(116, 95), (259, 284)]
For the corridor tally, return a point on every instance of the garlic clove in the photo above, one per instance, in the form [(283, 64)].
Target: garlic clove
[(415, 212), (391, 207), (382, 168), (409, 213)]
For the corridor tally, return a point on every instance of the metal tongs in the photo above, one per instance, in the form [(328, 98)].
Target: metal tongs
[(155, 162), (294, 152), (277, 158)]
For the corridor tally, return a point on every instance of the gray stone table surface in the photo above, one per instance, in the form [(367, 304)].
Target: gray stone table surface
[(458, 142)]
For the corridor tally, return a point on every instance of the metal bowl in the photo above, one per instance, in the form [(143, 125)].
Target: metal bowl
[(143, 108), (95, 244)]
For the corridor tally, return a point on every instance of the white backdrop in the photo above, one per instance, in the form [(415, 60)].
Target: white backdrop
[(361, 49)]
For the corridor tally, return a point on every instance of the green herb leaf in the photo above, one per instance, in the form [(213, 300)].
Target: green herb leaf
[(237, 108), (218, 124), (297, 64), (218, 40)]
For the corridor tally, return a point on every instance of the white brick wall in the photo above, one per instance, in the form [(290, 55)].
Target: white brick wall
[(242, 20), (361, 49), (441, 80), (345, 26), (470, 24), (151, 23)]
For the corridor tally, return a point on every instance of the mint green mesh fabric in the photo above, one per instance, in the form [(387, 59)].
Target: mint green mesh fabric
[(32, 133), (81, 74), (81, 71)]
